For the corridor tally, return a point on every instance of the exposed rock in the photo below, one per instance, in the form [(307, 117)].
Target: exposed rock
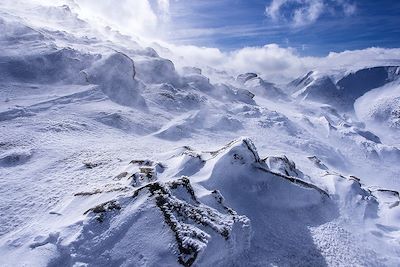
[(242, 78)]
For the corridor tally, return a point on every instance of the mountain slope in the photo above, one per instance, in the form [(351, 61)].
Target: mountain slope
[(184, 219), (97, 166), (344, 90)]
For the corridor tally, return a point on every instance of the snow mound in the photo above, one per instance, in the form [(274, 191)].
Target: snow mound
[(115, 75), (15, 157), (14, 31), (186, 70), (174, 213), (52, 66), (283, 165), (173, 99), (238, 165), (198, 82), (354, 200), (135, 210), (123, 122), (242, 78), (258, 86), (273, 119), (156, 70), (228, 93), (194, 91), (195, 122)]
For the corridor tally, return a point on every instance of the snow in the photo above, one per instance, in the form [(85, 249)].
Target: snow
[(110, 155), (115, 75), (379, 108), (341, 89)]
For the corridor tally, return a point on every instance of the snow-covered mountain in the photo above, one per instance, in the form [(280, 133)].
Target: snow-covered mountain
[(381, 106), (110, 155), (342, 90)]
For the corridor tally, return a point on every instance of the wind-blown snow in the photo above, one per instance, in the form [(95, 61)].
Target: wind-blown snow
[(113, 155)]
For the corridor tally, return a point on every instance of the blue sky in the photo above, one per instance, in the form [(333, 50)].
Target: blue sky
[(312, 27)]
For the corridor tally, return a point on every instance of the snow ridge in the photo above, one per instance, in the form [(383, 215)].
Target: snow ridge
[(111, 155)]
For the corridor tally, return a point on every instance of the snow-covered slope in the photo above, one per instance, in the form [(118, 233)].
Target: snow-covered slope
[(110, 156), (222, 207), (380, 109), (341, 90), (381, 105)]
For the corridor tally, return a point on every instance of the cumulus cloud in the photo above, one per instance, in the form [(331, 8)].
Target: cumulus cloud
[(299, 13), (273, 62), (278, 64)]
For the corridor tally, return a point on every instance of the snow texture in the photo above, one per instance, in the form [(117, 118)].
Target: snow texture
[(112, 156)]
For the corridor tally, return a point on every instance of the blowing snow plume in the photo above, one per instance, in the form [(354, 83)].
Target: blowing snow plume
[(120, 135)]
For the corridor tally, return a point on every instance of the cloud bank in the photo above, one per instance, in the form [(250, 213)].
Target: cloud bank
[(278, 64)]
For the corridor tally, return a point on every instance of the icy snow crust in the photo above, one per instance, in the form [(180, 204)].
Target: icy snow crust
[(109, 156)]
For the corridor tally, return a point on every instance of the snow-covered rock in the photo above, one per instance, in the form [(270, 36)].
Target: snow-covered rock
[(200, 208), (156, 70), (108, 155), (52, 66), (115, 75), (258, 86)]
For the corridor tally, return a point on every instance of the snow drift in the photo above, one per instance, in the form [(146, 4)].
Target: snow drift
[(110, 155), (193, 204)]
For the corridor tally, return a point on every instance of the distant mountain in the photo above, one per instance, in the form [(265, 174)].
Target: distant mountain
[(342, 92)]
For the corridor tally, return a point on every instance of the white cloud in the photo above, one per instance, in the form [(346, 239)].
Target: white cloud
[(127, 16), (273, 10), (144, 18), (308, 14), (349, 9), (275, 63), (278, 64), (299, 13)]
